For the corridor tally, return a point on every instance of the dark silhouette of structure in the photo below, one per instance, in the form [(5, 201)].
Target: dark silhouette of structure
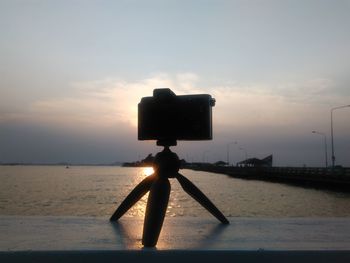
[(220, 163), (166, 165), (255, 162)]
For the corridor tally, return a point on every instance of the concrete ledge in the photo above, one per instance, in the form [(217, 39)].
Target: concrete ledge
[(72, 239), (177, 256)]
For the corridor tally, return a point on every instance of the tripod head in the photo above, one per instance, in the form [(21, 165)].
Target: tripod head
[(167, 142), (166, 163)]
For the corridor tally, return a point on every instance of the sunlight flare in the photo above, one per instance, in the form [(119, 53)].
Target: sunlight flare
[(147, 171)]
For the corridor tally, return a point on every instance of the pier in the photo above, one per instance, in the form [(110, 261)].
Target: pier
[(337, 178)]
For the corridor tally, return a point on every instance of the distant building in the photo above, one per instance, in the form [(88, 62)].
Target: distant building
[(255, 162), (148, 161), (220, 163)]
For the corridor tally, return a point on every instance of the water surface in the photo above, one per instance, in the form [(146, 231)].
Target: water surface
[(98, 190)]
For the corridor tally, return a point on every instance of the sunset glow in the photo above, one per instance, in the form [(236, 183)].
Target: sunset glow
[(148, 171), (72, 83)]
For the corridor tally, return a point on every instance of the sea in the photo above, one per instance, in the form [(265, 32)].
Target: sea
[(98, 190)]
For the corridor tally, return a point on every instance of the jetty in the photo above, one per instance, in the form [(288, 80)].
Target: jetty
[(336, 178)]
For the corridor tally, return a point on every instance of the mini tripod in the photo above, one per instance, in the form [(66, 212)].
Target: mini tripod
[(166, 165)]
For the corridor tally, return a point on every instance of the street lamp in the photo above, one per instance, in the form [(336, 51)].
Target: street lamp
[(335, 108), (228, 152), (325, 145)]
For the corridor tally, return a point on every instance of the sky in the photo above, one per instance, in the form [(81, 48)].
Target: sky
[(73, 72)]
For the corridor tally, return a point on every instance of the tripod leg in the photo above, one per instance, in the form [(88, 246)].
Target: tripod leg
[(135, 195), (197, 194), (155, 212)]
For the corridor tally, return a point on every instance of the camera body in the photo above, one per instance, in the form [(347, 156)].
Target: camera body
[(166, 116)]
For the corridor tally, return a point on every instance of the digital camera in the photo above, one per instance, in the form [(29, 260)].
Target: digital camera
[(166, 116)]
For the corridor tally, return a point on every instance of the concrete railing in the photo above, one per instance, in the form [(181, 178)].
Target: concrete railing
[(84, 239)]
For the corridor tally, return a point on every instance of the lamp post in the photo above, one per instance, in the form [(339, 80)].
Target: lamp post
[(228, 152), (325, 145), (332, 139)]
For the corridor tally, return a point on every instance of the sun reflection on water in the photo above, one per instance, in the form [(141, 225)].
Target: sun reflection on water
[(139, 209), (176, 200), (147, 171)]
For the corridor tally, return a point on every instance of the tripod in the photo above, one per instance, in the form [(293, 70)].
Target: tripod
[(166, 165)]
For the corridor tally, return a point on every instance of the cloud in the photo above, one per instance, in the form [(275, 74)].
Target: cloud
[(112, 102), (289, 105), (311, 91), (100, 117), (101, 103)]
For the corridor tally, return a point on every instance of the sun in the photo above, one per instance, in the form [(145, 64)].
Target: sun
[(148, 171)]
